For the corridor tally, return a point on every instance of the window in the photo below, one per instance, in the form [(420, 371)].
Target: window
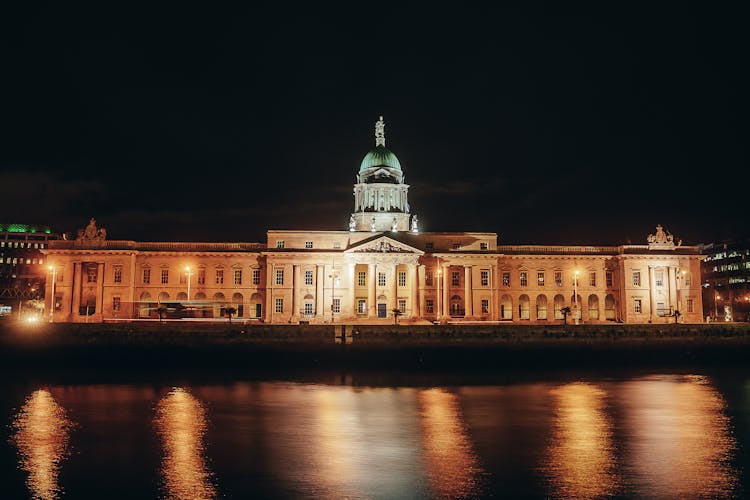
[(636, 278), (524, 279), (485, 306), (146, 276), (336, 305), (483, 245), (183, 277), (609, 279), (429, 306), (308, 309), (58, 302), (506, 279), (686, 275), (256, 276), (381, 279), (361, 306), (660, 309), (279, 305), (164, 276), (219, 276), (455, 278), (361, 278), (689, 305), (201, 276), (117, 276), (279, 276), (484, 276), (592, 278), (238, 276), (540, 278), (308, 277), (308, 244), (637, 305), (429, 245), (115, 303), (659, 277), (402, 305), (401, 278), (91, 274), (279, 243)]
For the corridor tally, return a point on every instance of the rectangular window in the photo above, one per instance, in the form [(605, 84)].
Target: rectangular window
[(361, 278), (279, 305), (219, 276), (636, 278), (483, 245), (361, 306), (201, 276), (429, 306), (402, 305), (484, 276), (308, 309), (336, 305), (183, 277), (455, 278), (558, 278), (164, 276), (689, 305), (687, 275), (609, 278), (308, 277), (279, 243), (428, 277), (256, 276), (401, 278), (506, 279), (115, 303), (637, 305), (238, 276), (308, 244), (540, 279), (146, 276), (279, 276), (660, 309), (58, 302), (485, 306), (91, 274), (592, 278), (524, 279), (659, 277), (381, 279), (118, 275)]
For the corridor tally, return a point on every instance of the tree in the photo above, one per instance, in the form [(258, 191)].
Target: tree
[(229, 311), (396, 314), (565, 311)]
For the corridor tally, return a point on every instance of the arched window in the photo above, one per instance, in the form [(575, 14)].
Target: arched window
[(541, 307), (523, 307), (144, 304), (182, 296), (559, 303), (238, 303), (163, 297), (457, 306), (218, 309), (573, 301), (256, 303), (609, 307), (593, 307), (506, 307)]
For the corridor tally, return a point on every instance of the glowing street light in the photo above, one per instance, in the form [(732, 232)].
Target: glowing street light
[(575, 296), (52, 294), (187, 270), (439, 276)]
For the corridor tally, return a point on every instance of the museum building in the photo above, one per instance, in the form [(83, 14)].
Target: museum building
[(382, 269)]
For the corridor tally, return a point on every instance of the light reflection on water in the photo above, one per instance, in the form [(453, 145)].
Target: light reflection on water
[(581, 460), (42, 432), (181, 424)]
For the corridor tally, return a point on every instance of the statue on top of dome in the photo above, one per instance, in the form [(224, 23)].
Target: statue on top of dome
[(380, 132)]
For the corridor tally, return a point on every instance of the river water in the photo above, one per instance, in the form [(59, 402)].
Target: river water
[(650, 434)]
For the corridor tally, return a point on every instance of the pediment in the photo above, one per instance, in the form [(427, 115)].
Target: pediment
[(384, 244)]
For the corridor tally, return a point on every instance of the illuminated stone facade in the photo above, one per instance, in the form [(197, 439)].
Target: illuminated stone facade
[(383, 269)]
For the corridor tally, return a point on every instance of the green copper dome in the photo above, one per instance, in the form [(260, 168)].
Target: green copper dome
[(380, 157)]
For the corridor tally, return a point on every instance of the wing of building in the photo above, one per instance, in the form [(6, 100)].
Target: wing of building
[(382, 266)]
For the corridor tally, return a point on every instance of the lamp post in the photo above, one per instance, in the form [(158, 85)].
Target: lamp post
[(187, 270), (52, 294), (439, 278), (333, 277), (575, 296)]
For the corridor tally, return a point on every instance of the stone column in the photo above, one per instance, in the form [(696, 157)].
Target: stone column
[(131, 287), (349, 305), (270, 282), (295, 292), (652, 291), (420, 290), (493, 294), (76, 302), (319, 273), (371, 280), (394, 288), (445, 309), (413, 295), (100, 289), (672, 280), (468, 298)]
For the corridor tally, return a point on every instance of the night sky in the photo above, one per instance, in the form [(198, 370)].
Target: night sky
[(545, 123)]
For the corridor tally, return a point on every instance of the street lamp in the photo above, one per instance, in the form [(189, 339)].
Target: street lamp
[(187, 270), (334, 276), (575, 296), (52, 294), (439, 276)]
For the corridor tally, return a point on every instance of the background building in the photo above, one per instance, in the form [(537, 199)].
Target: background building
[(726, 280)]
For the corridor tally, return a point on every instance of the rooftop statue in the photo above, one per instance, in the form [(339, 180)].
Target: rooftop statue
[(91, 234)]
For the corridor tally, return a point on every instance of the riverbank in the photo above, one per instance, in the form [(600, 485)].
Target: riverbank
[(256, 348)]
